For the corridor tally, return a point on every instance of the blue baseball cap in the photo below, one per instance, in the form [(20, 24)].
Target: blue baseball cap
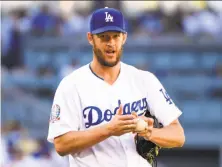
[(107, 19)]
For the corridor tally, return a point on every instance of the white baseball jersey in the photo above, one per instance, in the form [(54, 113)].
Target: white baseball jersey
[(83, 101)]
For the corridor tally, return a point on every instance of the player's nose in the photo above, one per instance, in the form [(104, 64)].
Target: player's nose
[(110, 41)]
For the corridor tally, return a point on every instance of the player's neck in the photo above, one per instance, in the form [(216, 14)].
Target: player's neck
[(109, 74)]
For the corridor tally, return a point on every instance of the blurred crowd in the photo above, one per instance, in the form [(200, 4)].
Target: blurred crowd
[(45, 21), (152, 22), (18, 149)]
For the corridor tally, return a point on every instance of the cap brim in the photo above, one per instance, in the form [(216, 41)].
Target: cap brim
[(108, 28)]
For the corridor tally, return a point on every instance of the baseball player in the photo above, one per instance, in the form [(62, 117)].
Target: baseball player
[(94, 108)]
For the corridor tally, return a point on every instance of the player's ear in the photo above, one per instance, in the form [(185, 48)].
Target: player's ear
[(90, 38), (124, 38)]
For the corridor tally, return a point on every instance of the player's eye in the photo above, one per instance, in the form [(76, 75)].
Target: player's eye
[(116, 35), (101, 36)]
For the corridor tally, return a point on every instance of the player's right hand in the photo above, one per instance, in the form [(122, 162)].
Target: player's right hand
[(121, 124)]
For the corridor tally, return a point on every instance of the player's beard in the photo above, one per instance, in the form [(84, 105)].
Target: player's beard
[(101, 57)]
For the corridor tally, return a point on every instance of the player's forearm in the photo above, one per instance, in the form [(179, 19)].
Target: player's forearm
[(76, 141), (169, 136)]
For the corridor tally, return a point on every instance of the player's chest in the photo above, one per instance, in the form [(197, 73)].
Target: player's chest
[(100, 103)]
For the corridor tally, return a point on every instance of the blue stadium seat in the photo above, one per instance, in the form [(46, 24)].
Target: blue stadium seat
[(191, 111), (187, 83), (184, 61), (134, 58), (12, 111), (60, 59), (216, 82), (32, 82), (35, 59), (43, 58), (85, 58), (202, 112), (210, 60), (212, 111), (32, 114), (162, 61), (30, 59)]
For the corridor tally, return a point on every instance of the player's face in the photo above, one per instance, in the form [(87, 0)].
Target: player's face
[(108, 47)]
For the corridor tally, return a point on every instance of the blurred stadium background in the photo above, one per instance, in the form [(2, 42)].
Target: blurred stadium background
[(180, 42)]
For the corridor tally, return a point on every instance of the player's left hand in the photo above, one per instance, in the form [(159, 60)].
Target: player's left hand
[(148, 132)]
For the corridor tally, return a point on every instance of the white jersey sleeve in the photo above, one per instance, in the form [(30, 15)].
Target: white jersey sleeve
[(159, 101), (64, 115)]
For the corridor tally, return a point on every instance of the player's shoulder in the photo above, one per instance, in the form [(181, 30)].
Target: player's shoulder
[(142, 76), (132, 70)]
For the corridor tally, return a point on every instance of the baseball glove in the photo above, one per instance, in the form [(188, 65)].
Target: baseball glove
[(147, 149)]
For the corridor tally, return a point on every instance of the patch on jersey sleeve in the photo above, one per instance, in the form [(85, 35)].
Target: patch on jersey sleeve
[(55, 113), (166, 96)]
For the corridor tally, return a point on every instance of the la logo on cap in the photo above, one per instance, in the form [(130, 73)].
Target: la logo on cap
[(108, 18)]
